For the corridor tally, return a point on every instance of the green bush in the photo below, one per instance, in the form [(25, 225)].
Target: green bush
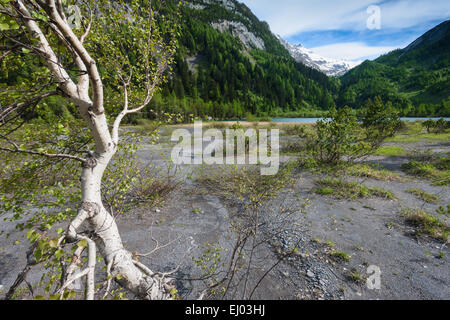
[(336, 137), (439, 126), (343, 136), (379, 121)]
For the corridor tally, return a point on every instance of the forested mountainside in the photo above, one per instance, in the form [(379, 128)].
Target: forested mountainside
[(415, 79), (229, 63)]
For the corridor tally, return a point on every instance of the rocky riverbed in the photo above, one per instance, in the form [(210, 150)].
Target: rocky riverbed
[(337, 239)]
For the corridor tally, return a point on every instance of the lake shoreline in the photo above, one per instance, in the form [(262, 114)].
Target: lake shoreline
[(289, 121)]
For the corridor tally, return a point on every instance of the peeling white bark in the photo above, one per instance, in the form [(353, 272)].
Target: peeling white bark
[(141, 282)]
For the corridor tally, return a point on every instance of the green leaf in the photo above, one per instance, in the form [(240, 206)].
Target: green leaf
[(30, 233), (53, 243), (59, 253), (38, 254), (83, 243)]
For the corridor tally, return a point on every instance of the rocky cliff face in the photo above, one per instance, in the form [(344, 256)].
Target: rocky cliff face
[(244, 32), (239, 30)]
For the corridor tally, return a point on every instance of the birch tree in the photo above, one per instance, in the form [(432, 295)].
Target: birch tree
[(107, 59)]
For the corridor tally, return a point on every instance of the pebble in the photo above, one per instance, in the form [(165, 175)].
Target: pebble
[(310, 274)]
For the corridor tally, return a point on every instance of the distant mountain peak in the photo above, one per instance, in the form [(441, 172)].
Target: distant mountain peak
[(329, 66)]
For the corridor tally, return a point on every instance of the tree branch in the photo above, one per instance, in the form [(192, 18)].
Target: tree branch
[(43, 154), (58, 71)]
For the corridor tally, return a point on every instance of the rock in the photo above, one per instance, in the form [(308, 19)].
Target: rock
[(310, 274), (240, 31)]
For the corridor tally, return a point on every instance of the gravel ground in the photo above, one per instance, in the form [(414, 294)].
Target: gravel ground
[(410, 267)]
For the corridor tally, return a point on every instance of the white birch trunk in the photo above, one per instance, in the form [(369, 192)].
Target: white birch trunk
[(139, 280)]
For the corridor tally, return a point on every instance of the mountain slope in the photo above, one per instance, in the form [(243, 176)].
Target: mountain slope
[(229, 63), (329, 66), (415, 79)]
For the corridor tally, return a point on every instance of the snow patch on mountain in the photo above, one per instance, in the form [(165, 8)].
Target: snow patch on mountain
[(329, 66)]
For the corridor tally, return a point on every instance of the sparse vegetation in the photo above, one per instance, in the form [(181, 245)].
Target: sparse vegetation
[(444, 211), (64, 94), (434, 169), (372, 172), (341, 189), (355, 276), (426, 224), (326, 191), (390, 151), (299, 130), (330, 243), (390, 225), (293, 147), (441, 255), (422, 195), (340, 256)]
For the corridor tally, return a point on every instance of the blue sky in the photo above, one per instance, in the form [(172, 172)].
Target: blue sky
[(338, 28)]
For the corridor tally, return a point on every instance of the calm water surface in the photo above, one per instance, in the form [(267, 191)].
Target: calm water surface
[(314, 120)]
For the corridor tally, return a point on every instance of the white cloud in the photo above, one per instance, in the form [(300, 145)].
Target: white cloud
[(290, 17), (410, 13), (354, 51)]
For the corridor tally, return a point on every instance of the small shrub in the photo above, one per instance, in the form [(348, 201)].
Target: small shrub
[(336, 137), (237, 126), (380, 121), (355, 276), (439, 126), (344, 136), (340, 256)]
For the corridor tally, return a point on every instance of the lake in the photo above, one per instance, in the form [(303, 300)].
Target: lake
[(314, 120)]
